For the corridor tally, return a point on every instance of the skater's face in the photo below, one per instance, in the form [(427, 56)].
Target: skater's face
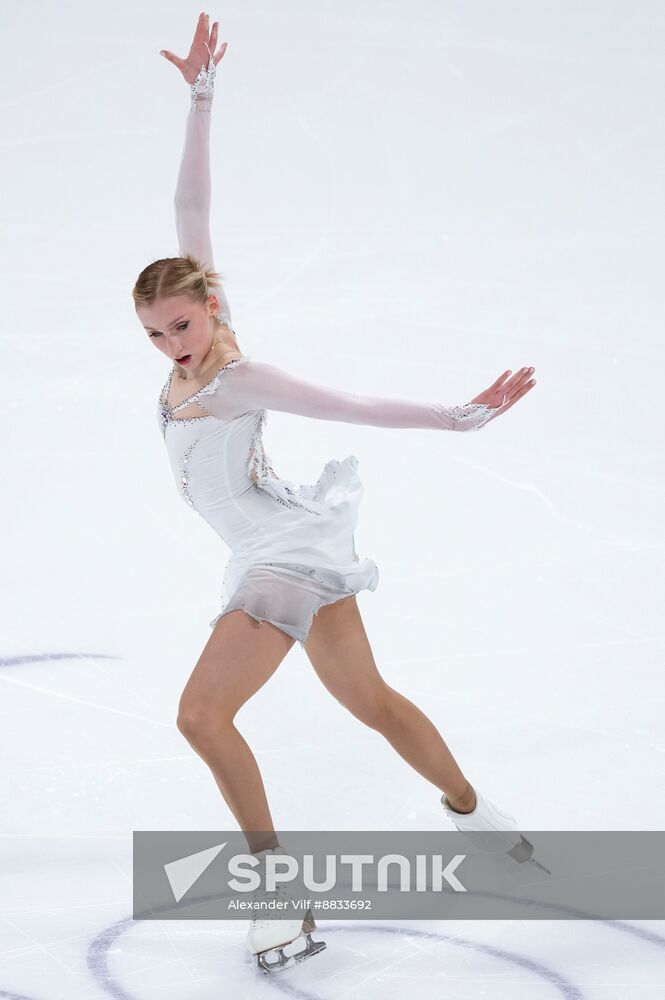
[(181, 328)]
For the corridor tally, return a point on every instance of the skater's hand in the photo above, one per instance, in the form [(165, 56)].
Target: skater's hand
[(506, 391), (201, 51)]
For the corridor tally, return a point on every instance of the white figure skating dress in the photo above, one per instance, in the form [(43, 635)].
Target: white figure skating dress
[(292, 546)]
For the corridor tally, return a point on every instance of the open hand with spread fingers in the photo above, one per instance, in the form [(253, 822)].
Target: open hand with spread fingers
[(505, 392), (201, 51)]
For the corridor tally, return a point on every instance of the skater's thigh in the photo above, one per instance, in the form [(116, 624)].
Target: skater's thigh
[(338, 648), (239, 657)]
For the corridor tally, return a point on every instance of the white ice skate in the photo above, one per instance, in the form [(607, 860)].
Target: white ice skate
[(489, 828), (266, 936)]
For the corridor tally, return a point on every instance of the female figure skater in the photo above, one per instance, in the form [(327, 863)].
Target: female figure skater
[(293, 572)]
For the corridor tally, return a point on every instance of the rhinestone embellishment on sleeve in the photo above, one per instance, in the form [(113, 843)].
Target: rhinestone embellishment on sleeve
[(470, 412), (204, 84), (469, 417)]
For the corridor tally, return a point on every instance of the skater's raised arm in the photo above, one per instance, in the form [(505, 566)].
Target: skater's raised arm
[(193, 191), (253, 384)]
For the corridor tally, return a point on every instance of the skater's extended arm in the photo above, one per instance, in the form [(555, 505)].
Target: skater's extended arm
[(258, 385), (193, 193)]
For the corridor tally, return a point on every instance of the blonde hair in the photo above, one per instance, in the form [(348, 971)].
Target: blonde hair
[(175, 276)]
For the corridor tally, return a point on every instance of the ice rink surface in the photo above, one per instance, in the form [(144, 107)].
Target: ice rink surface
[(408, 199)]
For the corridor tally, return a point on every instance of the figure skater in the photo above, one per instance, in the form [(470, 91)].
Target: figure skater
[(293, 572)]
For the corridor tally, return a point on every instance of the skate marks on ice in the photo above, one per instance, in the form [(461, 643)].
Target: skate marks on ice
[(29, 658), (104, 946), (14, 996), (15, 661)]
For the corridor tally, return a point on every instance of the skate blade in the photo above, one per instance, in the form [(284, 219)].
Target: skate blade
[(289, 961), (524, 852), (534, 862)]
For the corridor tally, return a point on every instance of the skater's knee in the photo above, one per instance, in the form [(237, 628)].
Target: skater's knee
[(200, 723), (374, 708)]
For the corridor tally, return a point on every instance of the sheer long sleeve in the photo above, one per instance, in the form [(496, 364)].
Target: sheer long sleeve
[(193, 194), (248, 384)]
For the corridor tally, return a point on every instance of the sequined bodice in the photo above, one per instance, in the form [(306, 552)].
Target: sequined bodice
[(209, 457), (220, 466)]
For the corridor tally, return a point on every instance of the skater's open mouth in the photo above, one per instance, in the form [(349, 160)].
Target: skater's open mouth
[(184, 359)]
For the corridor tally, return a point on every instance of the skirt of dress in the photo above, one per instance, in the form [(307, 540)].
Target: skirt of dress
[(297, 560)]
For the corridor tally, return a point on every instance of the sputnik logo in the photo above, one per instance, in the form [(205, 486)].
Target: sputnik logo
[(183, 873)]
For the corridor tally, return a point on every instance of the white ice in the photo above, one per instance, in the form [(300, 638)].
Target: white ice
[(408, 199)]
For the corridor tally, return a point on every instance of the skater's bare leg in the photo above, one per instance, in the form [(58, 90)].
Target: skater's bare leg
[(239, 657), (339, 651)]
